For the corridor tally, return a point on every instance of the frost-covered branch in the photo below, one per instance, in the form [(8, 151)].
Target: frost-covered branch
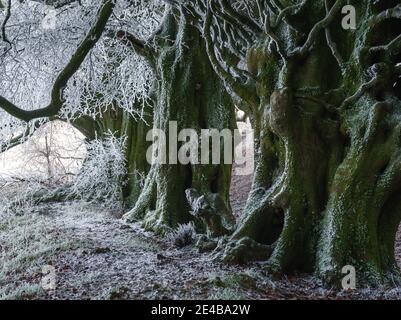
[(4, 24), (102, 176), (69, 70), (139, 46), (332, 45), (55, 3), (289, 11), (238, 89), (22, 137)]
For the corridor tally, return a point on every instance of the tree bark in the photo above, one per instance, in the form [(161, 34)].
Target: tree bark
[(190, 93)]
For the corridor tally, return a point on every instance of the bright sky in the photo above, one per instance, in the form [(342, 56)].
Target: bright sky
[(65, 152)]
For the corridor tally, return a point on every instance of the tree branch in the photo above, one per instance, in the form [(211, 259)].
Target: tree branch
[(4, 24), (21, 138), (231, 83), (391, 49), (290, 10), (73, 65), (380, 74), (56, 3), (240, 19), (138, 45), (322, 24)]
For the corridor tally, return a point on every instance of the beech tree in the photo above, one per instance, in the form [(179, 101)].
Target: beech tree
[(190, 93)]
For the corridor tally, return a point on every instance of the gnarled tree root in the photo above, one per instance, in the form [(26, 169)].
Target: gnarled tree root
[(242, 251)]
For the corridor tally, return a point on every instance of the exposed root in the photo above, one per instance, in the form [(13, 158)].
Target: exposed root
[(157, 222), (213, 211), (205, 244), (243, 251), (145, 201)]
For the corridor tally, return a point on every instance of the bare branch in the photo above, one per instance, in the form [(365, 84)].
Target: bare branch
[(56, 3), (139, 46), (4, 24), (380, 73), (290, 10), (73, 65), (23, 137), (232, 84), (322, 24), (240, 19), (332, 45), (277, 41)]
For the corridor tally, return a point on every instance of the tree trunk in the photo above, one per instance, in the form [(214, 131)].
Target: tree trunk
[(328, 168), (363, 211), (190, 93)]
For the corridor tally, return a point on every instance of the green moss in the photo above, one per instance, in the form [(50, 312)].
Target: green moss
[(331, 174)]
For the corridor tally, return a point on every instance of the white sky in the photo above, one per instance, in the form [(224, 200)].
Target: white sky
[(65, 149)]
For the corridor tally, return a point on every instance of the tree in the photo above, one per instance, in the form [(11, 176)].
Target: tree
[(51, 157), (324, 103), (187, 91), (190, 93)]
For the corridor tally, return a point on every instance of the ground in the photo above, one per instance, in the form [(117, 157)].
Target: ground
[(97, 256)]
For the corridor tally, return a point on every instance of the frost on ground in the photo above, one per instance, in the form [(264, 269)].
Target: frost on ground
[(97, 256)]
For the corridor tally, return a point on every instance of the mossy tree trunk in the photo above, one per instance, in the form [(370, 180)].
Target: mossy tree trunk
[(326, 116), (190, 93)]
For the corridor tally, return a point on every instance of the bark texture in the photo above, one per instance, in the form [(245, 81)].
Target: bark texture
[(190, 93)]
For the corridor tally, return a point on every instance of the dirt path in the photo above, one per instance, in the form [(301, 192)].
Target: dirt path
[(122, 261)]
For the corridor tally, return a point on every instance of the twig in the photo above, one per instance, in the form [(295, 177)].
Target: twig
[(4, 24)]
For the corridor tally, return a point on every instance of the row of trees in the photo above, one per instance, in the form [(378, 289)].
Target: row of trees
[(324, 103)]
